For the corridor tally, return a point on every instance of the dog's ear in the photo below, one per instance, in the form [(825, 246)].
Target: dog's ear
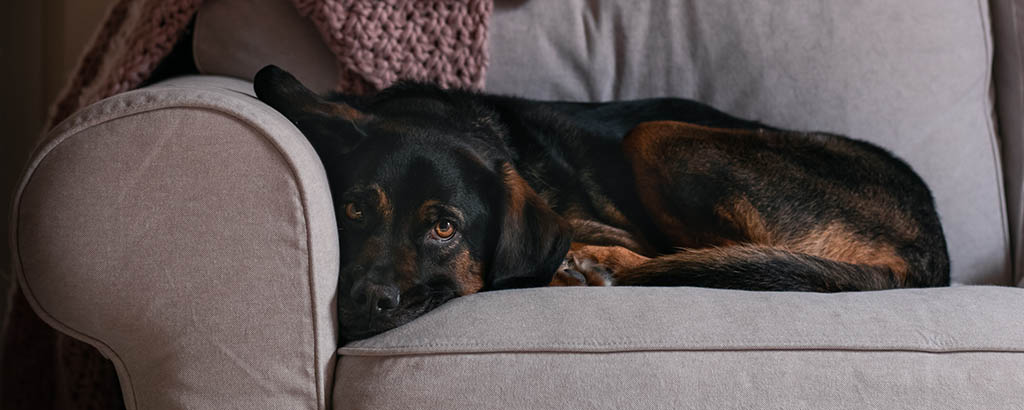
[(532, 239), (332, 128)]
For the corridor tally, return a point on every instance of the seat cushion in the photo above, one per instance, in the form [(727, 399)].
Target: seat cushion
[(680, 348)]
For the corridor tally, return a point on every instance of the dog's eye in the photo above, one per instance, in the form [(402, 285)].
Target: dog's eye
[(444, 230), (352, 211)]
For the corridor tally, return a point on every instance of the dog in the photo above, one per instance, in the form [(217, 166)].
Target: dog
[(444, 193)]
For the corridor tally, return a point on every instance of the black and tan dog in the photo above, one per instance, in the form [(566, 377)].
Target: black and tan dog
[(446, 193)]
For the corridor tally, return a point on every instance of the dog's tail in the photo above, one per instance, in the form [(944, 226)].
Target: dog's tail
[(757, 267)]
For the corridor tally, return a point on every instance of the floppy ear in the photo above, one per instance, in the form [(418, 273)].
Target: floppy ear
[(332, 128), (532, 241)]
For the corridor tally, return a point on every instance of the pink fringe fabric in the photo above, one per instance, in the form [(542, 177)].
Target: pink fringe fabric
[(376, 42)]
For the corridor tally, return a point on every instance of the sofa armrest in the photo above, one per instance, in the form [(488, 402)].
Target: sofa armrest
[(186, 231)]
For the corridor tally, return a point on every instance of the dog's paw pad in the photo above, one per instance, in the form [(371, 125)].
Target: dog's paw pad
[(566, 275), (577, 271), (576, 276)]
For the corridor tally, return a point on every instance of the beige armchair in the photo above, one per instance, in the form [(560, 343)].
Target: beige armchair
[(186, 230)]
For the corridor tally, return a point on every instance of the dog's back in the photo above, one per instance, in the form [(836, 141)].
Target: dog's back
[(751, 206)]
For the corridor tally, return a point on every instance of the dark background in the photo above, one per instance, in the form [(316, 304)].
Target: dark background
[(39, 47)]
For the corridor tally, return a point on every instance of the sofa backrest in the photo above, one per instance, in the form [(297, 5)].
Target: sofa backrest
[(1008, 87), (911, 76)]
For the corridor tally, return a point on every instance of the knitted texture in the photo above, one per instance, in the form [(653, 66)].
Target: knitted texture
[(379, 42), (376, 42), (134, 38)]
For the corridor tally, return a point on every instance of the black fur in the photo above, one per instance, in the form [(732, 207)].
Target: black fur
[(521, 179)]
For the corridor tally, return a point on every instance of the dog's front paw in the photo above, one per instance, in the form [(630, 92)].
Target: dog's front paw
[(581, 270)]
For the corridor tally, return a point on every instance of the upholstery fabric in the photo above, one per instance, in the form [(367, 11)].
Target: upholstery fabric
[(911, 76), (1008, 32), (186, 231), (221, 46), (683, 348), (230, 39), (762, 379)]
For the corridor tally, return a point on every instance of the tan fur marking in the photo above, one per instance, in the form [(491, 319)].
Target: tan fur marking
[(647, 147), (405, 267), (346, 111), (518, 195), (425, 208), (649, 144), (384, 208), (468, 273), (519, 191), (642, 147), (615, 258), (836, 242), (335, 109), (742, 215), (647, 135)]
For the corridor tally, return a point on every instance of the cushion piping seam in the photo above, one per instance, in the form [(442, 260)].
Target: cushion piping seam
[(641, 349)]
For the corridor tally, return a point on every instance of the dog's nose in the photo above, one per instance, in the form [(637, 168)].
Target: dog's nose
[(383, 298), (379, 298)]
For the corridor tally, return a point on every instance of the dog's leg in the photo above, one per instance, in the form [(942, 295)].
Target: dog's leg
[(591, 232), (598, 251), (595, 265), (757, 267), (749, 267), (763, 211)]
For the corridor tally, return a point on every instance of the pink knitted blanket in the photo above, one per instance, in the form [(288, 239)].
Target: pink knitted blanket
[(376, 42)]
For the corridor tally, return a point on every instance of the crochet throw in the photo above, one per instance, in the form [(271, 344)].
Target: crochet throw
[(376, 42)]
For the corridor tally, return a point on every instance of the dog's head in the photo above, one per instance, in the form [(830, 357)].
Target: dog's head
[(428, 203)]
